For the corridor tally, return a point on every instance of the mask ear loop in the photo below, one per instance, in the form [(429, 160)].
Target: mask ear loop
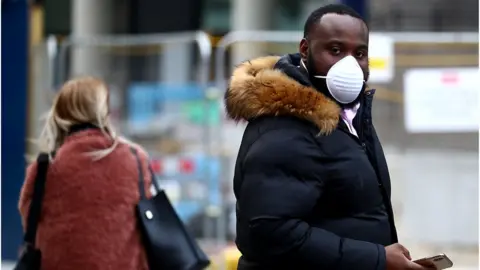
[(303, 65)]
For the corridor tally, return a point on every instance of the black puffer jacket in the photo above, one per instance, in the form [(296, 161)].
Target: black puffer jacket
[(310, 195)]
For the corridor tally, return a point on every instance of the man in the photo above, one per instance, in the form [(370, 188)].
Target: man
[(311, 180)]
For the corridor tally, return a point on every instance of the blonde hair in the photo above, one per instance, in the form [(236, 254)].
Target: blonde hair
[(79, 101)]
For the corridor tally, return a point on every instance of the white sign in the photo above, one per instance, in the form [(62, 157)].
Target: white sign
[(441, 100), (381, 55), (173, 189)]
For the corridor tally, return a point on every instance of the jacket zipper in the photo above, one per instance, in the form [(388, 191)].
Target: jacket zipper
[(362, 122), (386, 201)]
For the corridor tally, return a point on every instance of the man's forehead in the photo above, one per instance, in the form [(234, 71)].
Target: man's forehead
[(340, 26)]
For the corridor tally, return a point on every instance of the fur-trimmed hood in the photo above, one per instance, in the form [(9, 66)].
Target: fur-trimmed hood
[(261, 87)]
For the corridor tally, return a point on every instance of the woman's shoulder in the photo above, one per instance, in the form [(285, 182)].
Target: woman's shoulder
[(83, 140), (78, 153)]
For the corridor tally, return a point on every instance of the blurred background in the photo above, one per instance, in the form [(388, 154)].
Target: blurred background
[(167, 64)]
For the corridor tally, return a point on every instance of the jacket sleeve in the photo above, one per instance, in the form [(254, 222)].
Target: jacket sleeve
[(282, 182), (26, 193)]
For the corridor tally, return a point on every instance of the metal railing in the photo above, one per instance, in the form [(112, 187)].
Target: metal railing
[(201, 39), (58, 54)]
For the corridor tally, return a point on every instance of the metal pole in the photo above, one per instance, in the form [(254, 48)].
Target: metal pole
[(62, 63), (52, 57), (90, 18)]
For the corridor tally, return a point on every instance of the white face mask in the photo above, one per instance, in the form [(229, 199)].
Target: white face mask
[(344, 79)]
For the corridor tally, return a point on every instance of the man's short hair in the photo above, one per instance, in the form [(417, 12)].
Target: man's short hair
[(317, 14)]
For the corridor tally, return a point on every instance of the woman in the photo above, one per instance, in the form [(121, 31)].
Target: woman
[(88, 218)]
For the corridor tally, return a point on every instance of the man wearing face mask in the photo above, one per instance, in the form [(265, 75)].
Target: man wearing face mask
[(311, 179)]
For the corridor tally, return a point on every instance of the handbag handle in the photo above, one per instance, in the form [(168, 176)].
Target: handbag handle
[(154, 179), (43, 161), (141, 184)]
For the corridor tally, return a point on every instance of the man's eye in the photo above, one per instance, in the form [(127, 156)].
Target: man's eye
[(335, 50), (360, 54)]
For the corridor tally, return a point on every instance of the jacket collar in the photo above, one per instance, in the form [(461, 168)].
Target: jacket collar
[(81, 127), (274, 86)]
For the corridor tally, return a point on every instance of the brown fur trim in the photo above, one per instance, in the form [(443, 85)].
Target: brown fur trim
[(257, 89)]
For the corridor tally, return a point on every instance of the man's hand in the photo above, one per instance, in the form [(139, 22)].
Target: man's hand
[(398, 258)]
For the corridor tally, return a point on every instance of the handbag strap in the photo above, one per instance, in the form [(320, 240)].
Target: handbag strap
[(154, 179), (141, 184), (43, 161)]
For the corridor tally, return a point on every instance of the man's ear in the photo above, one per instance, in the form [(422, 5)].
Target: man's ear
[(366, 72), (303, 49)]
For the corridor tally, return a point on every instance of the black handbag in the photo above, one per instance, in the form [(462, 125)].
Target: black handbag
[(31, 257), (168, 244)]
